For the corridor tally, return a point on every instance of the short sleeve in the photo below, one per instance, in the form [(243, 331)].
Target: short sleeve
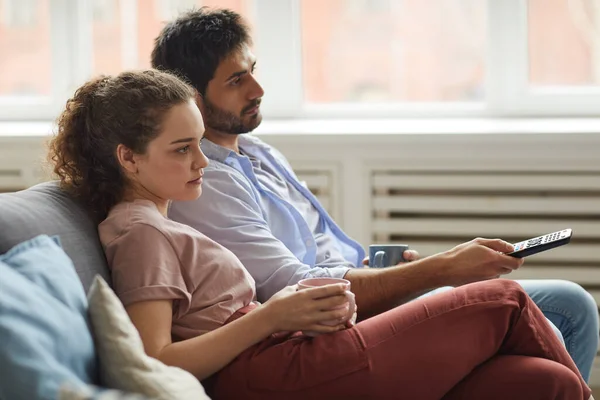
[(145, 267)]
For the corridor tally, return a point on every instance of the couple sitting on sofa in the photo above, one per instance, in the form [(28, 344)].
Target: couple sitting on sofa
[(132, 148)]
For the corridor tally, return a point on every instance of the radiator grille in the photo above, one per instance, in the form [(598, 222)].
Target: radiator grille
[(433, 211), (11, 179)]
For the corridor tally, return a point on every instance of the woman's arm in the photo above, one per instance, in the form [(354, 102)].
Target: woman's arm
[(288, 310), (202, 355)]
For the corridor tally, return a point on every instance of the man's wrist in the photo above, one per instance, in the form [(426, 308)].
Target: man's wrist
[(435, 269)]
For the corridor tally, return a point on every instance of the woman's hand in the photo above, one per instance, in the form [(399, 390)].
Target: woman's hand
[(305, 310)]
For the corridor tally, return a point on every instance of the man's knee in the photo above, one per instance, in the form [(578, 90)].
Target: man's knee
[(513, 289), (564, 296), (577, 296), (577, 301)]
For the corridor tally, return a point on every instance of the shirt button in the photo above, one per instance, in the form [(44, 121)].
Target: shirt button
[(308, 242)]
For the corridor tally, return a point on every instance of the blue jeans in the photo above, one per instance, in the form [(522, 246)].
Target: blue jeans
[(572, 311)]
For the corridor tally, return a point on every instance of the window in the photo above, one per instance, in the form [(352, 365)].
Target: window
[(334, 58), (564, 42), (25, 48), (393, 51), (19, 13), (124, 30)]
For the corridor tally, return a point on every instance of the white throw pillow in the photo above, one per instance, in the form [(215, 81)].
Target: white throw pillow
[(69, 392), (123, 363)]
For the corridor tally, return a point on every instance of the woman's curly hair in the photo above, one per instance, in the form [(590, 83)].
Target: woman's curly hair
[(107, 111)]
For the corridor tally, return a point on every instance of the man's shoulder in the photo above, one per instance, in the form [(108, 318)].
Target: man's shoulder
[(218, 165), (223, 181), (250, 139), (219, 172), (253, 141)]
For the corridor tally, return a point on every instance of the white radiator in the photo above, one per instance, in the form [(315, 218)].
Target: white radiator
[(22, 164), (11, 179), (433, 211)]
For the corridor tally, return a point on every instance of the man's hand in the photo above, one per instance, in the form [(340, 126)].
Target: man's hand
[(478, 260), (408, 255)]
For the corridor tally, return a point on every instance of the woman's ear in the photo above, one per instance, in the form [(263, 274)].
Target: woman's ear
[(127, 159)]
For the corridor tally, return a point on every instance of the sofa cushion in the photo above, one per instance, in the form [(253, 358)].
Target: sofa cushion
[(95, 393), (46, 209), (44, 327), (124, 364)]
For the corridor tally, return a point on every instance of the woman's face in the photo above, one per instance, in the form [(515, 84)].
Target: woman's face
[(172, 167)]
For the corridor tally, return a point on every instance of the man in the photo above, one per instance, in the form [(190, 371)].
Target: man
[(253, 204)]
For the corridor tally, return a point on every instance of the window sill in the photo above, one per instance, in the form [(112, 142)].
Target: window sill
[(335, 127), (430, 126)]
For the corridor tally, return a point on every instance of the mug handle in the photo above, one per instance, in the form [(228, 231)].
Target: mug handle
[(379, 260), (352, 300)]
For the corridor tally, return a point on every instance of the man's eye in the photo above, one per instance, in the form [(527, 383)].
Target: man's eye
[(235, 82)]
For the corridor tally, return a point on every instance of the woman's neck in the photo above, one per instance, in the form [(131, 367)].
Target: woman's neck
[(142, 194)]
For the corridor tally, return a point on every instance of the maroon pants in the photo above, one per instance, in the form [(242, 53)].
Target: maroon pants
[(486, 340)]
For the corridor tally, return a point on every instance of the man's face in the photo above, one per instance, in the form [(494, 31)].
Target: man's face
[(232, 100)]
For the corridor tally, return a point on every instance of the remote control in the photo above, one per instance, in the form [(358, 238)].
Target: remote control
[(541, 243)]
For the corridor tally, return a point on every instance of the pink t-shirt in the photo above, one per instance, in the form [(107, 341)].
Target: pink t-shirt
[(154, 258)]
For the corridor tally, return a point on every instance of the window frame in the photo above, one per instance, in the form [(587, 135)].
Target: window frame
[(507, 83), (507, 89)]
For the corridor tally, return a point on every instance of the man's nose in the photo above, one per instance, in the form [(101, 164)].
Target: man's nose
[(257, 91)]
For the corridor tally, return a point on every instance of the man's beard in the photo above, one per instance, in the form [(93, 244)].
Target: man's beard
[(227, 122)]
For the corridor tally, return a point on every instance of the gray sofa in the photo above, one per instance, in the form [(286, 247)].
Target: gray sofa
[(46, 209)]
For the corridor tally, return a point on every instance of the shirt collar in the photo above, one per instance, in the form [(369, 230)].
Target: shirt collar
[(215, 152), (219, 153)]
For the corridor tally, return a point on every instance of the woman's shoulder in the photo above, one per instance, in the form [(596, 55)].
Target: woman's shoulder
[(131, 217), (140, 221)]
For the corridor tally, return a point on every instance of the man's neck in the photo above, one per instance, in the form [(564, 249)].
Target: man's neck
[(223, 139)]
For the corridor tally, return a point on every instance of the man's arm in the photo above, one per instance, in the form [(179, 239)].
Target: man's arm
[(380, 289)]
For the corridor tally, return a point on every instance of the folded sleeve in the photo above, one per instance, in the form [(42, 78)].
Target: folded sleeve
[(145, 267)]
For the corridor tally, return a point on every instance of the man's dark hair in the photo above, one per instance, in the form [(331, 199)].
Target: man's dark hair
[(193, 45)]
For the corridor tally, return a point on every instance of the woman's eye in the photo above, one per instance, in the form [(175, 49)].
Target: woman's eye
[(184, 149)]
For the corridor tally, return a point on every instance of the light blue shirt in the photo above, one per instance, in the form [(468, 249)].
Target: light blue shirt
[(260, 221), (329, 253)]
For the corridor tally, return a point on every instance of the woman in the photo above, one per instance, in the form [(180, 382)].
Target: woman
[(128, 145)]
